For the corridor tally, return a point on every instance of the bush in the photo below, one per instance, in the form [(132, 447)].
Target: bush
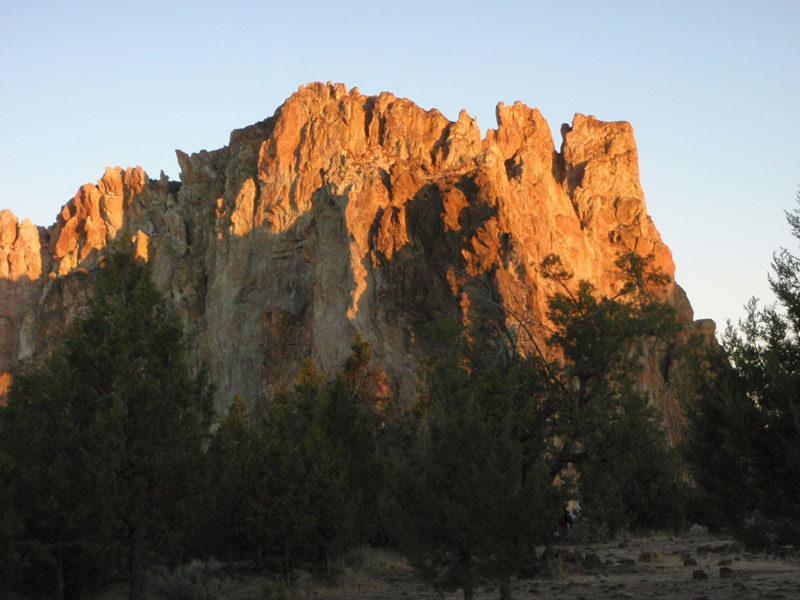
[(196, 580)]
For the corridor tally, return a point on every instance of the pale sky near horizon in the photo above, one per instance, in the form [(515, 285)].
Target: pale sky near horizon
[(711, 88)]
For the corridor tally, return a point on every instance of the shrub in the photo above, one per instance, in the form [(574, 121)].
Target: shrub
[(196, 580)]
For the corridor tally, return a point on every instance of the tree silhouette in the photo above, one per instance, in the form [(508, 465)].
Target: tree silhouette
[(105, 438), (745, 420)]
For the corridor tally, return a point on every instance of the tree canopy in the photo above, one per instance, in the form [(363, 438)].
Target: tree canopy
[(507, 436), (110, 463), (609, 432), (104, 439), (745, 421), (296, 484)]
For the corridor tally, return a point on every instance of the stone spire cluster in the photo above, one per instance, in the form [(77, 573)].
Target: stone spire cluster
[(343, 214)]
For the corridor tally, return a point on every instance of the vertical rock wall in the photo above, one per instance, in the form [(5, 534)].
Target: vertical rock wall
[(343, 213)]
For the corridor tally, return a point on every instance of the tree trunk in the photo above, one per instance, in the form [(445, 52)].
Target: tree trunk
[(286, 565), (467, 580), (135, 575), (505, 588), (59, 590)]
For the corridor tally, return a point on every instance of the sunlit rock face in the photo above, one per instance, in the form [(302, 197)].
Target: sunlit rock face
[(345, 213)]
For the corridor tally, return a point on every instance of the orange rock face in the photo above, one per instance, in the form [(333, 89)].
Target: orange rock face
[(343, 213)]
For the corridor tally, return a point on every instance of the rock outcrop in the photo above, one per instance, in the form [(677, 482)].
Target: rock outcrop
[(343, 213)]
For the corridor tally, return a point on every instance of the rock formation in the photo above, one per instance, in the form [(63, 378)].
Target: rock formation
[(343, 213)]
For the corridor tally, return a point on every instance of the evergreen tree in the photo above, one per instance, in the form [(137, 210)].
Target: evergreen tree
[(745, 421), (502, 432), (43, 432), (105, 439), (219, 527), (311, 476), (11, 528), (475, 494), (608, 431), (295, 481)]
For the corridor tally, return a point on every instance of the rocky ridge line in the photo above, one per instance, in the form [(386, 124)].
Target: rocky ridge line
[(344, 213)]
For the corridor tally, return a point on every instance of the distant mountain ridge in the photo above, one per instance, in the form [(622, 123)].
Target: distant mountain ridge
[(344, 214)]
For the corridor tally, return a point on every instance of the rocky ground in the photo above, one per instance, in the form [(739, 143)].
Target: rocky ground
[(668, 568), (657, 567)]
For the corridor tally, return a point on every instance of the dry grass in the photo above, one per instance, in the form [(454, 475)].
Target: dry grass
[(369, 574)]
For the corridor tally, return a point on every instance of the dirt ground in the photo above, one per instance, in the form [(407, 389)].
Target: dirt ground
[(657, 567), (668, 568)]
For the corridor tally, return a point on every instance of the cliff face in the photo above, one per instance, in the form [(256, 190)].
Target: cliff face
[(342, 213)]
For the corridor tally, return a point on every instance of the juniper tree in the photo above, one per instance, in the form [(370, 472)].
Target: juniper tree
[(11, 528), (745, 420), (502, 428), (218, 528), (105, 438), (310, 476), (474, 496), (608, 431)]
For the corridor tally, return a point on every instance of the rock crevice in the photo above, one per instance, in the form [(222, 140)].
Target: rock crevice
[(342, 213)]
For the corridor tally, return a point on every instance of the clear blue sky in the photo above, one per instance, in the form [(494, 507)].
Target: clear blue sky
[(712, 90)]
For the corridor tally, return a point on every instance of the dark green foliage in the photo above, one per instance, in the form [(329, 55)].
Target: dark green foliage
[(105, 439), (218, 527), (505, 436), (11, 527), (630, 479), (299, 486), (744, 427), (722, 423), (475, 494), (745, 422), (296, 485), (44, 432), (609, 433)]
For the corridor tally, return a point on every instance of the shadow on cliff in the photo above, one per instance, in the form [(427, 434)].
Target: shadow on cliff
[(322, 308), (33, 322), (427, 278)]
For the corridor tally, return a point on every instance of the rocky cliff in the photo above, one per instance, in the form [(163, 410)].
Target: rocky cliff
[(343, 213)]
